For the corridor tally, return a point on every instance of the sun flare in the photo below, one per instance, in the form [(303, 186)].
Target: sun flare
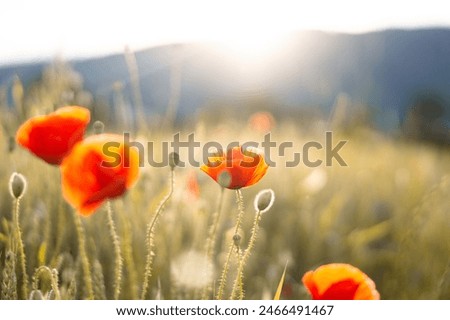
[(251, 46)]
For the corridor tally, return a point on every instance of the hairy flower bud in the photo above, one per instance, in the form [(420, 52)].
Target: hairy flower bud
[(237, 240), (174, 160), (11, 144), (36, 295), (17, 185), (224, 179), (264, 200), (99, 127)]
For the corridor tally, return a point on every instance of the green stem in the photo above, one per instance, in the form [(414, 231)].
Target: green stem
[(87, 276), (21, 250), (55, 284), (212, 233), (211, 240), (117, 252), (129, 264), (54, 280), (226, 267), (238, 283), (150, 238)]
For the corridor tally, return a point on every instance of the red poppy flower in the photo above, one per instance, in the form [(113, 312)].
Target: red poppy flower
[(261, 122), (192, 185), (52, 136), (244, 168), (95, 171), (339, 281)]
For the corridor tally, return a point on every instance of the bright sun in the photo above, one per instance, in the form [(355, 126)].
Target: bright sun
[(252, 47), (251, 34), (250, 28)]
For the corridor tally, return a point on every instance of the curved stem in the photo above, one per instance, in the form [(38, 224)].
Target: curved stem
[(117, 252), (226, 267), (212, 233), (238, 283), (87, 276), (150, 238), (240, 202), (21, 250), (53, 276), (211, 240), (128, 260)]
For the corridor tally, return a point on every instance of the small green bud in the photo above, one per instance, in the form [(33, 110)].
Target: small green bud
[(237, 240), (174, 160), (264, 200), (36, 295), (11, 144), (17, 185), (224, 179), (99, 127)]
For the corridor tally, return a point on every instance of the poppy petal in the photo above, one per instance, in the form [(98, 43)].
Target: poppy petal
[(338, 281), (93, 172), (245, 168), (51, 137)]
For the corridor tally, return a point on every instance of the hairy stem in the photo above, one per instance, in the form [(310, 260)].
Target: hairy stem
[(212, 233), (87, 276), (53, 276), (238, 283), (21, 250), (150, 238), (117, 252), (211, 240), (226, 267), (128, 259)]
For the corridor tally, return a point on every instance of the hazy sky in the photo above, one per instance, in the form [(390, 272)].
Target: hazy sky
[(45, 28)]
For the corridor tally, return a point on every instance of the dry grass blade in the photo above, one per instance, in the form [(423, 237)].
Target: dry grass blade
[(280, 284)]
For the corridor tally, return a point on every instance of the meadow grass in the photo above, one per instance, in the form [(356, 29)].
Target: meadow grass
[(387, 213)]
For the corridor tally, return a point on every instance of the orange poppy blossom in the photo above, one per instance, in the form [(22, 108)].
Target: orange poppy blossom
[(339, 281), (245, 168), (94, 172), (261, 122), (52, 136), (193, 186)]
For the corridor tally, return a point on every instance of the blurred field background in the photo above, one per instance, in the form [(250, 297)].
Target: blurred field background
[(386, 213)]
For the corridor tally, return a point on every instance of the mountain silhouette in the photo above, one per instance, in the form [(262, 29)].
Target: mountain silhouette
[(387, 71)]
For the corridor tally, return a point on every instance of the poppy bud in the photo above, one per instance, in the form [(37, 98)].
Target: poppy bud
[(17, 185), (99, 127), (36, 295), (11, 144), (237, 240), (51, 295), (264, 200), (174, 160), (224, 179)]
